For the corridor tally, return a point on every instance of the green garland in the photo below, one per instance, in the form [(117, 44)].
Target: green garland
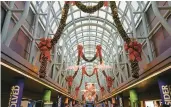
[(134, 64), (118, 23), (89, 60), (89, 9), (61, 25)]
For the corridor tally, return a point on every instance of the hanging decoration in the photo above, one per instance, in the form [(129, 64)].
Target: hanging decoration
[(134, 50), (44, 47), (80, 50), (98, 53), (85, 73), (89, 9), (45, 56), (77, 88), (109, 82), (62, 24), (69, 79), (98, 81), (122, 32)]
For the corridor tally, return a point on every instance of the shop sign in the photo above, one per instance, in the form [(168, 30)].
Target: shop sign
[(16, 94), (165, 91)]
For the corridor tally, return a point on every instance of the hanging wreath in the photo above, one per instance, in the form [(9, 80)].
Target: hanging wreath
[(89, 9)]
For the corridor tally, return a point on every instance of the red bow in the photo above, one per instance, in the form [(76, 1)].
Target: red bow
[(69, 79), (105, 3), (99, 51), (77, 90), (134, 49), (80, 50), (109, 81), (45, 46)]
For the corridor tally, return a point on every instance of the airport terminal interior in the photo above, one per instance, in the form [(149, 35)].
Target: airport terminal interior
[(85, 53)]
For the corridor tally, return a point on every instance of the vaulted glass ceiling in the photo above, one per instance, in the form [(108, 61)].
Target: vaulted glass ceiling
[(90, 30)]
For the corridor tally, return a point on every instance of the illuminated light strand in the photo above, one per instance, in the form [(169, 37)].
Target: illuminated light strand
[(20, 72)]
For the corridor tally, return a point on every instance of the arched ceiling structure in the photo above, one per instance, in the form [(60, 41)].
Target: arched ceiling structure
[(91, 30)]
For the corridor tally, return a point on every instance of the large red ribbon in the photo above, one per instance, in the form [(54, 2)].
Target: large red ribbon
[(134, 49), (45, 46)]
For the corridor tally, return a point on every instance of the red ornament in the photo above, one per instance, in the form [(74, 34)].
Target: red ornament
[(69, 79), (45, 46)]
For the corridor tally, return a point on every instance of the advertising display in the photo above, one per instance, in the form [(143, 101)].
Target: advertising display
[(165, 90), (16, 93)]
